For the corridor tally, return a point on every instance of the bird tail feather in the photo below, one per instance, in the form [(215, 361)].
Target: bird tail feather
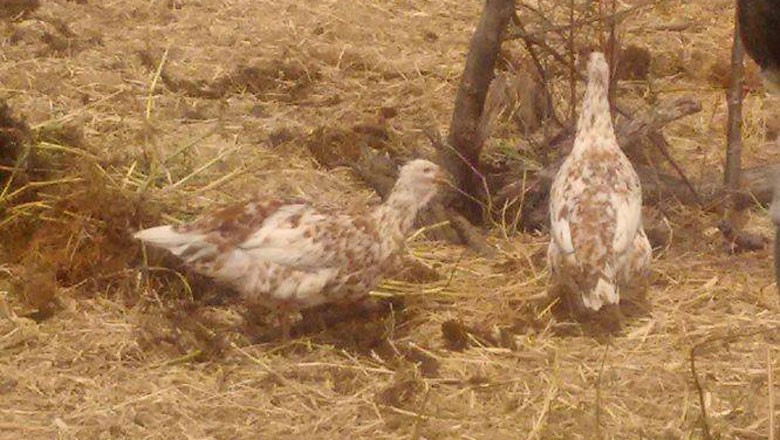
[(189, 246), (604, 292)]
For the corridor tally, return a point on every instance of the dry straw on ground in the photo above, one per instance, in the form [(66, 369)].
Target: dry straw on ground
[(149, 111)]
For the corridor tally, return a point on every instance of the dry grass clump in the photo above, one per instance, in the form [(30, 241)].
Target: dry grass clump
[(68, 227), (98, 339)]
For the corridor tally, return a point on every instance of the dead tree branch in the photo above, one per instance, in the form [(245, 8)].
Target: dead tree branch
[(462, 159), (734, 134), (660, 143), (655, 119)]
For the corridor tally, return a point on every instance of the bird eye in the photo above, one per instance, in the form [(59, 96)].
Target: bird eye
[(427, 169)]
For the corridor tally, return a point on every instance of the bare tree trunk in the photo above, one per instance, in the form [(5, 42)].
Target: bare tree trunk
[(461, 156), (734, 133)]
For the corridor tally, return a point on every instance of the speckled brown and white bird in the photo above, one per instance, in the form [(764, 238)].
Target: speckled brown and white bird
[(597, 244), (289, 255)]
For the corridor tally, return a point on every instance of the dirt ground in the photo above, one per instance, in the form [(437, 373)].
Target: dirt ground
[(167, 107)]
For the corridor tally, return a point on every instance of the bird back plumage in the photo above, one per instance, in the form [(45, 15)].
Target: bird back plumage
[(595, 205)]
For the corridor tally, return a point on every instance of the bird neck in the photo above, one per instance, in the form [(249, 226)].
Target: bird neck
[(595, 121), (396, 215)]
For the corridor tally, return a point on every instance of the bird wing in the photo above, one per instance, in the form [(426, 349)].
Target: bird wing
[(560, 228), (306, 239), (628, 213)]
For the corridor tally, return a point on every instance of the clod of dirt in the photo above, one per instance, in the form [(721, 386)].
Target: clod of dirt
[(37, 285), (57, 36), (85, 237), (284, 80), (634, 63), (8, 385), (413, 271), (658, 235), (376, 134), (405, 390), (428, 365), (359, 326), (333, 146), (285, 76), (456, 337), (387, 113), (576, 320), (18, 9), (282, 136)]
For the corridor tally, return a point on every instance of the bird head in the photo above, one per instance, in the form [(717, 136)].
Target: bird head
[(421, 179)]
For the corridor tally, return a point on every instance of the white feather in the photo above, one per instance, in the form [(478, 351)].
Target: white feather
[(561, 231), (177, 243), (559, 226), (604, 293), (628, 211)]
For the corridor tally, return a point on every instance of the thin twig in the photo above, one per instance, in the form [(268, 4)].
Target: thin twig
[(153, 85), (660, 144), (771, 385), (598, 391), (617, 16)]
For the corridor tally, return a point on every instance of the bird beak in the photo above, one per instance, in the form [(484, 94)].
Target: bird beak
[(442, 177)]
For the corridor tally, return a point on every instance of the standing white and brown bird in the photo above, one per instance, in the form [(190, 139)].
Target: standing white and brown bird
[(597, 244), (288, 255)]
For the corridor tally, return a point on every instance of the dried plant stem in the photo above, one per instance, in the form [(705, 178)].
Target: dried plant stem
[(598, 392), (153, 85), (771, 387)]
